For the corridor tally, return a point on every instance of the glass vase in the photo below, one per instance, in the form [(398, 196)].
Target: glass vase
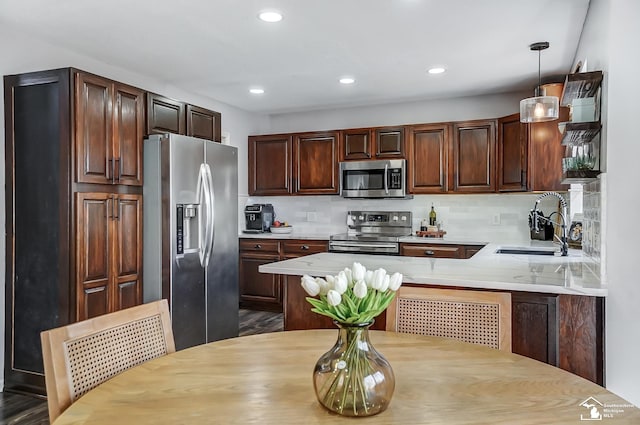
[(353, 379)]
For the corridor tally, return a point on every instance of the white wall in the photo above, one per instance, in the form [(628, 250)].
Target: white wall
[(20, 53), (439, 110), (609, 42)]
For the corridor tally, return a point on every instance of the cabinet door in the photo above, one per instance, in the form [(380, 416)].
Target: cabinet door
[(203, 123), (260, 291), (428, 158), (389, 142), (474, 154), (534, 326), (545, 155), (128, 104), (127, 241), (512, 154), (356, 144), (93, 129), (270, 165), (315, 161), (93, 253), (164, 115)]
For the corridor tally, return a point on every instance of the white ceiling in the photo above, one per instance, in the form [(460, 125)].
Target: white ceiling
[(218, 48)]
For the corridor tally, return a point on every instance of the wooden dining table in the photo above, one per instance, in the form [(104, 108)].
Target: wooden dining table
[(267, 379)]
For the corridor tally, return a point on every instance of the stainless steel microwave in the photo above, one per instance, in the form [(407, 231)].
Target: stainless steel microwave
[(373, 179)]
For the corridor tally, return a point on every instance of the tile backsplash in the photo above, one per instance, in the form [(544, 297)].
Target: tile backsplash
[(499, 218), (592, 224)]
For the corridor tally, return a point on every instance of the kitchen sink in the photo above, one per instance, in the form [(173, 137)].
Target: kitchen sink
[(526, 251)]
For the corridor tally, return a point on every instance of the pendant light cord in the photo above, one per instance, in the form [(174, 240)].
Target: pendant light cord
[(539, 78)]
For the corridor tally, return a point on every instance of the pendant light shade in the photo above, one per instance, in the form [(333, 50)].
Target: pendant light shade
[(539, 108)]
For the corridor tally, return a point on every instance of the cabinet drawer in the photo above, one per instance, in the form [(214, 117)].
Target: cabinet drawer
[(435, 251), (260, 245), (303, 247)]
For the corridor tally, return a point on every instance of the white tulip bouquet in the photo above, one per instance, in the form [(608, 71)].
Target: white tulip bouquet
[(355, 295)]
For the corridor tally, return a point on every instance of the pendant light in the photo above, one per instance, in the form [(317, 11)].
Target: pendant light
[(539, 108)]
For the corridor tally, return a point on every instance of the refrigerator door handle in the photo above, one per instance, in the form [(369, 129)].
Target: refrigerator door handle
[(203, 196), (211, 217)]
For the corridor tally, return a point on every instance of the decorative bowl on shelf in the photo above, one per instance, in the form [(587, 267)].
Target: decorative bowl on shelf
[(281, 229)]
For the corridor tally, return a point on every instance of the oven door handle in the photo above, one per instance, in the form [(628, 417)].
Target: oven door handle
[(363, 245)]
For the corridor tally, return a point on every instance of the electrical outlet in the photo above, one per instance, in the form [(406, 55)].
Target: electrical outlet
[(312, 216), (496, 219)]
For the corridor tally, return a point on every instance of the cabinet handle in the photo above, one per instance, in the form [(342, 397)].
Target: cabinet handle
[(305, 247), (118, 168), (429, 252), (116, 214), (258, 246), (109, 170), (108, 209)]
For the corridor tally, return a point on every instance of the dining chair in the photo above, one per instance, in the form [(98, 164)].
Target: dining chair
[(80, 356), (477, 317)]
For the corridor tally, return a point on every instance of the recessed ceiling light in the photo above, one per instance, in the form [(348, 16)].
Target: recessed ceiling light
[(436, 70), (347, 80), (270, 16), (256, 90)]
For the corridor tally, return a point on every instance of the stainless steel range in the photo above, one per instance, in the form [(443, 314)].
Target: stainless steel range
[(372, 232)]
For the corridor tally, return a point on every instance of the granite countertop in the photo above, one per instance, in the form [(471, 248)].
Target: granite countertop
[(486, 269)]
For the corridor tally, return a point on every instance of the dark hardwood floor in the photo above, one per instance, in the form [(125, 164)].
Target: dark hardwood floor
[(17, 409)]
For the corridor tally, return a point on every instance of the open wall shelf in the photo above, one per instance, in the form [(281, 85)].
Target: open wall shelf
[(580, 85), (579, 176), (576, 133)]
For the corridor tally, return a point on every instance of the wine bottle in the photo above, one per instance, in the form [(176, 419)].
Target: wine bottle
[(432, 216)]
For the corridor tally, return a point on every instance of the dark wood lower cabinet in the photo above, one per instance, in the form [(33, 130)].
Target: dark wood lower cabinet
[(108, 252), (566, 331), (534, 326), (259, 291), (581, 339), (298, 314)]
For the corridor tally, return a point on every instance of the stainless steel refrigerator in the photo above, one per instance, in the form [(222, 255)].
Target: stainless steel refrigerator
[(191, 235)]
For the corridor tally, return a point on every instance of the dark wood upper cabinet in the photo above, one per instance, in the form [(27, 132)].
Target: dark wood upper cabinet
[(474, 153), (165, 115), (373, 143), (315, 162), (389, 142), (356, 144), (428, 158), (270, 164), (128, 134), (512, 154), (93, 121), (545, 154), (109, 119), (204, 123)]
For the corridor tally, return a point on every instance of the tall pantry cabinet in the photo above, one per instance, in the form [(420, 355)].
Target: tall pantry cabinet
[(73, 167)]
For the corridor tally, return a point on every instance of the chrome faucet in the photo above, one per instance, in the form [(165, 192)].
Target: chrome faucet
[(535, 215)]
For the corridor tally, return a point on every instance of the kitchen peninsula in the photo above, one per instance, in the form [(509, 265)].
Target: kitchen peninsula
[(557, 304)]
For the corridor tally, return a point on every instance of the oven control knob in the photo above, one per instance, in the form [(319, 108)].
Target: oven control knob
[(395, 218), (404, 218), (360, 217)]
